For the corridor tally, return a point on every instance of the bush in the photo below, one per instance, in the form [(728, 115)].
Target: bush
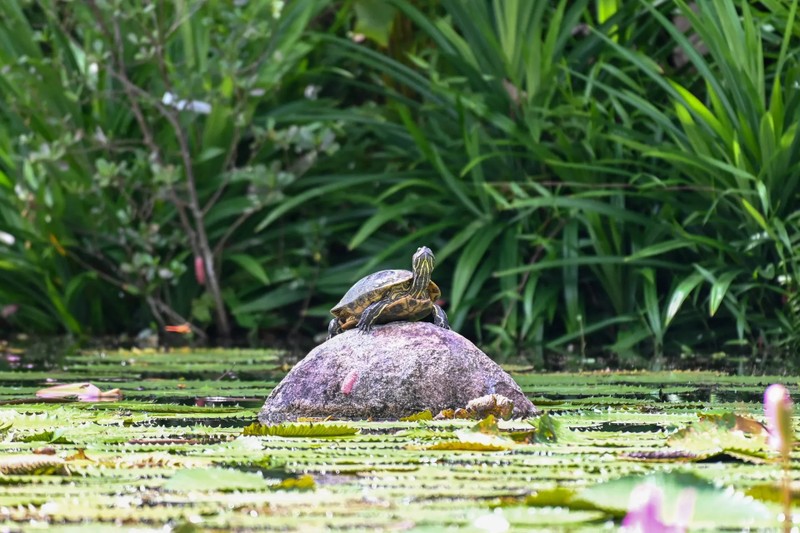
[(591, 191), (594, 177), (141, 142)]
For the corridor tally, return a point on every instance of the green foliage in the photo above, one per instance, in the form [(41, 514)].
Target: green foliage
[(214, 480), (52, 437), (548, 429), (416, 417), (194, 465), (32, 465), (596, 178), (139, 143), (714, 506), (588, 190), (300, 430)]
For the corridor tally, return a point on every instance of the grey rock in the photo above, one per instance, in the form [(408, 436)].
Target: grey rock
[(394, 371)]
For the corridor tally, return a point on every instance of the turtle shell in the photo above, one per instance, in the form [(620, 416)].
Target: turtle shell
[(371, 288)]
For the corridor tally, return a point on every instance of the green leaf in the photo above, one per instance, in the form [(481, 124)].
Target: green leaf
[(32, 465), (252, 266), (416, 417), (758, 217), (606, 9), (273, 299), (718, 290), (658, 249), (383, 215), (337, 183), (52, 437), (651, 307), (548, 429), (468, 446), (301, 483), (712, 436), (300, 430), (471, 256), (680, 294), (700, 110), (211, 479), (374, 19), (715, 506)]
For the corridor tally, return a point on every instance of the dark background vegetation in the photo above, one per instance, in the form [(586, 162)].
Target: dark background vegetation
[(597, 178)]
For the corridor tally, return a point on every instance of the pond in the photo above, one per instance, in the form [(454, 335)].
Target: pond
[(172, 452)]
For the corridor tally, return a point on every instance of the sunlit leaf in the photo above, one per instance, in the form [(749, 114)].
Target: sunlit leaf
[(302, 483), (215, 479), (680, 294), (714, 506), (718, 290), (416, 417), (52, 437), (300, 430), (32, 465), (374, 19), (468, 446), (253, 267)]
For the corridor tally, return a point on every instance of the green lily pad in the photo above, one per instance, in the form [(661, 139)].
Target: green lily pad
[(300, 430), (214, 479), (715, 506)]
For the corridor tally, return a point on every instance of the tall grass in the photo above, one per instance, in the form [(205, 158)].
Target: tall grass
[(593, 179), (590, 198)]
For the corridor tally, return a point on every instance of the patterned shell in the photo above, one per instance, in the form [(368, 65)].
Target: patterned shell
[(370, 289)]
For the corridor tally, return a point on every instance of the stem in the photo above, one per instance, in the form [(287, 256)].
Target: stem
[(786, 491), (198, 238)]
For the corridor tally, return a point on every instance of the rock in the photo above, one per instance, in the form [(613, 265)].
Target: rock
[(396, 370), (491, 404)]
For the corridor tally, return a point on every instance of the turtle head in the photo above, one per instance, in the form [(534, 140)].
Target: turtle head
[(422, 264), (423, 260)]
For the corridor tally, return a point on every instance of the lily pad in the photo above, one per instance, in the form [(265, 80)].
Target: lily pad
[(215, 479), (715, 506), (300, 430)]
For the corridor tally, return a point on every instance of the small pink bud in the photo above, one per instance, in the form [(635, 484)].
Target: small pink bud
[(646, 510), (199, 270), (349, 382), (778, 412), (8, 310)]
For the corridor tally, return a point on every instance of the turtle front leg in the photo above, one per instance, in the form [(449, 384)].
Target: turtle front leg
[(370, 315), (333, 328), (440, 317)]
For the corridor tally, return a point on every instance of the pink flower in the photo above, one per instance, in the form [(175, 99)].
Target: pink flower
[(84, 392), (8, 310), (199, 270), (778, 411), (646, 510)]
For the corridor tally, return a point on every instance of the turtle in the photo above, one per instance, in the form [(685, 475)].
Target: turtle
[(391, 295)]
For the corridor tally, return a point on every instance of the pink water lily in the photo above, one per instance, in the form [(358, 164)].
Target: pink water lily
[(84, 392), (646, 510), (778, 412)]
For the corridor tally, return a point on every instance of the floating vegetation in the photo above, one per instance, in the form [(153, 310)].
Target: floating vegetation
[(171, 455), (300, 430)]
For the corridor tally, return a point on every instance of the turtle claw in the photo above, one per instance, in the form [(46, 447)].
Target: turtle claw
[(440, 317), (334, 328)]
